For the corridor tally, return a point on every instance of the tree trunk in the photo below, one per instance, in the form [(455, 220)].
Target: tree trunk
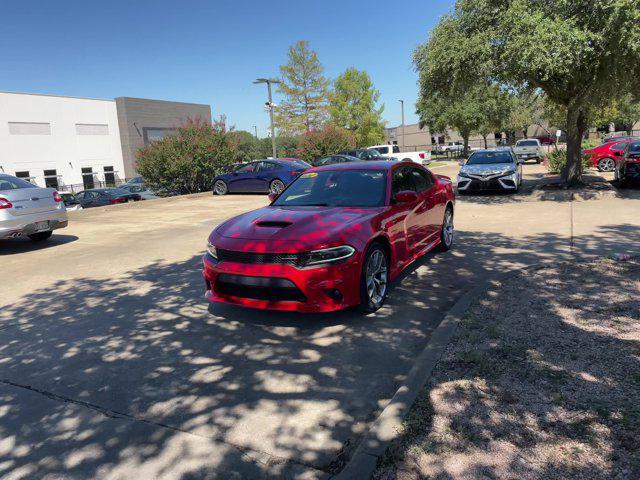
[(465, 150), (485, 141), (576, 126)]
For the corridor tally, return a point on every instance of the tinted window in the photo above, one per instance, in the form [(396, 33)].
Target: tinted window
[(300, 164), (527, 143), (402, 180), (634, 147), (12, 183), (267, 166), (487, 158), (421, 179), (396, 149), (325, 161), (340, 188), (383, 150), (250, 167)]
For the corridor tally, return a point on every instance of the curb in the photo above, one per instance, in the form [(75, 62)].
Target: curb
[(386, 426)]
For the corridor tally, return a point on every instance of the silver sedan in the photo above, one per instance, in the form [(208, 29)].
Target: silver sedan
[(28, 210)]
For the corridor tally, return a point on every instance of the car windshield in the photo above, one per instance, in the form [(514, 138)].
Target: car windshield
[(634, 149), (527, 143), (14, 183), (67, 197), (336, 188), (487, 158)]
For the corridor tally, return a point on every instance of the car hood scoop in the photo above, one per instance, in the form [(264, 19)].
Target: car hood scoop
[(273, 223), (294, 224)]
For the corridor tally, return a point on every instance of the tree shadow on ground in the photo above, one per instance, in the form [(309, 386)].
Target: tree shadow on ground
[(137, 375), (540, 381)]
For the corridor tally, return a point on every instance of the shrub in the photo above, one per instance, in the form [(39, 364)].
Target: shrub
[(557, 160), (187, 161), (330, 140), (590, 143)]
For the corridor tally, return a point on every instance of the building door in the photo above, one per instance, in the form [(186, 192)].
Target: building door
[(109, 177), (87, 178)]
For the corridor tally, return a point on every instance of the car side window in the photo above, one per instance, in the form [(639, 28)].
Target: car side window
[(402, 180), (422, 180), (80, 196), (396, 149), (249, 168), (267, 167)]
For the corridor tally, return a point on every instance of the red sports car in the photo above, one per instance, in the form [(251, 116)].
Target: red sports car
[(332, 239), (603, 157)]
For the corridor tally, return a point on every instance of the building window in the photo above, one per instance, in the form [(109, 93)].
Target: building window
[(51, 179), (109, 177), (154, 134), (92, 129), (25, 176), (29, 128), (87, 178)]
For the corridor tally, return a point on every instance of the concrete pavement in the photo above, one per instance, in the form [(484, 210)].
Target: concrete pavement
[(112, 365)]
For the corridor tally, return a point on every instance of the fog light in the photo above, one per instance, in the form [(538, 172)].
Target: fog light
[(334, 294)]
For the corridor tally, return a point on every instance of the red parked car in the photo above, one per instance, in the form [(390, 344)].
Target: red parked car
[(603, 157), (334, 238)]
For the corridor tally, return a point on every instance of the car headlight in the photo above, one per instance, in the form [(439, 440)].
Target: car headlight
[(463, 175), (329, 255), (509, 172), (212, 250)]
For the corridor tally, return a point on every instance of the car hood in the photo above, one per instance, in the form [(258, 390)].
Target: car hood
[(492, 169), (300, 226)]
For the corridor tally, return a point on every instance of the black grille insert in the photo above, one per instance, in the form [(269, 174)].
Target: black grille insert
[(259, 288), (293, 259)]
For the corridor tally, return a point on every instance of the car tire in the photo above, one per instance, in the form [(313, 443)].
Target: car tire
[(446, 231), (374, 278), (40, 236), (606, 165), (276, 186), (220, 188)]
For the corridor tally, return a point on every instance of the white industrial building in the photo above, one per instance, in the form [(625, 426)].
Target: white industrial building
[(71, 143), (57, 141)]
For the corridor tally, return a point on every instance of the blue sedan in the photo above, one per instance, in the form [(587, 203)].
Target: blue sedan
[(260, 176)]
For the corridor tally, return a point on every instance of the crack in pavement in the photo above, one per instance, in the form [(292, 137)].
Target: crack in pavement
[(107, 412)]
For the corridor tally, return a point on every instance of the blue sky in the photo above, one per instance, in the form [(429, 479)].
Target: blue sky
[(208, 51)]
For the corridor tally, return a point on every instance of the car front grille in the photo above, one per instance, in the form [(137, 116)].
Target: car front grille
[(259, 288), (294, 259)]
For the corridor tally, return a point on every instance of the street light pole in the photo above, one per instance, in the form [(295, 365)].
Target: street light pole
[(269, 81), (402, 111), (255, 129)]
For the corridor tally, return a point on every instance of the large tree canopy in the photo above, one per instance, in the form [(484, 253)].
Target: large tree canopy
[(353, 106), (578, 52)]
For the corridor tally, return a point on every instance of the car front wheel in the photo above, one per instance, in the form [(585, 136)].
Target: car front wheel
[(374, 279), (220, 188), (40, 236)]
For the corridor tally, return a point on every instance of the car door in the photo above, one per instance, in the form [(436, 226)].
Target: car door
[(430, 211), (265, 173), (414, 232), (244, 178), (87, 199)]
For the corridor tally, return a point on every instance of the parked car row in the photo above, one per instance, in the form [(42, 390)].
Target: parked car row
[(604, 156)]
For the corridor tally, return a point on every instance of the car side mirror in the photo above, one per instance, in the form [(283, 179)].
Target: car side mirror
[(272, 197), (406, 196)]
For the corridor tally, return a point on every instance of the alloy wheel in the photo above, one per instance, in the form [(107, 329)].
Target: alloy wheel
[(447, 228), (607, 165), (277, 187), (220, 188), (376, 277)]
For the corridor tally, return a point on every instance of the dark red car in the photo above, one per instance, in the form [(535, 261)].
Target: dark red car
[(603, 157), (332, 239)]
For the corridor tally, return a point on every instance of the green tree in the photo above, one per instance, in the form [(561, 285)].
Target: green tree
[(526, 110), (305, 91), (329, 140), (352, 105), (187, 161), (249, 147), (579, 52)]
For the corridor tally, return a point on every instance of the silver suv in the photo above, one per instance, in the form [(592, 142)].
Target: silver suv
[(28, 210)]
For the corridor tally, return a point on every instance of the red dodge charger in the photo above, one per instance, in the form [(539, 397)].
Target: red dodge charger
[(334, 238)]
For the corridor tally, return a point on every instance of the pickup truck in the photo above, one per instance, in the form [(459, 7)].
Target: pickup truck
[(393, 151), (529, 149), (448, 147)]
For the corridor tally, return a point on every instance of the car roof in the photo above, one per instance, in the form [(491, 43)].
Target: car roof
[(496, 149), (361, 165)]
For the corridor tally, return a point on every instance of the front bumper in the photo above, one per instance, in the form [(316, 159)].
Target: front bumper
[(284, 287), (477, 183), (22, 225), (632, 172)]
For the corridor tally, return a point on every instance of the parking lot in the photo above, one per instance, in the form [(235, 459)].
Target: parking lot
[(113, 363)]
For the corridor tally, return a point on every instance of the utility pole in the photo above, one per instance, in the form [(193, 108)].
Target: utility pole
[(402, 111), (270, 106), (255, 130)]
